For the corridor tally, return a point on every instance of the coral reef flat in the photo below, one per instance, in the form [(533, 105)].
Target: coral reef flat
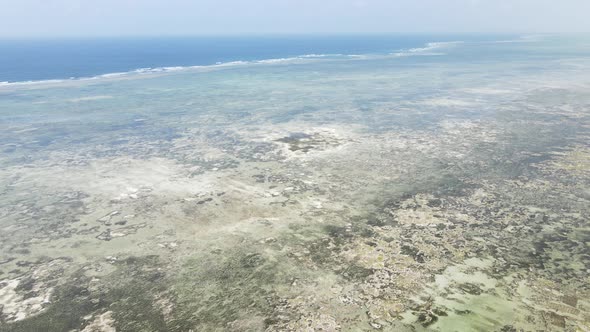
[(418, 193)]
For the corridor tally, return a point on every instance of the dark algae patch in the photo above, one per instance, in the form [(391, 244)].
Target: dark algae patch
[(129, 293)]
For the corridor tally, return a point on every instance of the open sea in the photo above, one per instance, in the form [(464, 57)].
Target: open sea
[(295, 183), (51, 59)]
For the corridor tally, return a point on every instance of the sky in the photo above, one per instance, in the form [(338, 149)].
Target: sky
[(57, 18)]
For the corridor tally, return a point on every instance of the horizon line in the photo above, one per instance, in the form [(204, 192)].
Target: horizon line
[(285, 34)]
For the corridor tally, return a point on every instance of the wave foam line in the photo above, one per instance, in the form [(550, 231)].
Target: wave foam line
[(155, 70), (427, 50)]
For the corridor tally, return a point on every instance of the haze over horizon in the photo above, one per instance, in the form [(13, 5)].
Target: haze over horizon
[(70, 18)]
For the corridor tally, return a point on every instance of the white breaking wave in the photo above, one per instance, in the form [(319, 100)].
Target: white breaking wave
[(140, 71), (33, 82), (427, 50)]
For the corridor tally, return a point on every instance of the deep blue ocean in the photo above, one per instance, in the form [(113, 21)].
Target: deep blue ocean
[(47, 59)]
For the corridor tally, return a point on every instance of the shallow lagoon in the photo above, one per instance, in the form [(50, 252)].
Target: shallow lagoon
[(439, 191)]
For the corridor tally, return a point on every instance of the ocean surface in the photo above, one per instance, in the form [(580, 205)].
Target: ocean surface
[(49, 59), (360, 183)]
